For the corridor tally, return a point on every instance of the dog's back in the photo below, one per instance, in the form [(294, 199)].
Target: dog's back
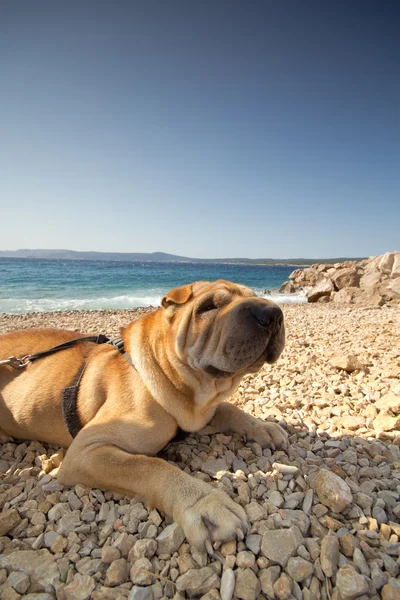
[(30, 407)]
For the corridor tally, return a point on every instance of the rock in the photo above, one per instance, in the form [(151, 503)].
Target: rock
[(109, 554), (345, 278), (391, 591), (170, 539), (146, 548), (379, 578), (298, 568), (283, 587), (388, 403), (386, 262), (347, 362), (38, 596), (395, 273), (245, 559), (350, 584), (117, 573), (348, 543), (141, 593), (287, 287), (215, 467), (349, 422), (4, 466), (394, 288), (370, 281), (280, 545), (227, 584), (8, 520), (332, 491), (253, 543), (323, 288), (385, 422), (329, 554), (19, 582), (267, 578), (255, 511), (140, 572), (197, 581), (247, 585), (39, 565), (80, 588)]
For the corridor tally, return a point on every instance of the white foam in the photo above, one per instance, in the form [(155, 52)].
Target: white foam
[(285, 298), (27, 305)]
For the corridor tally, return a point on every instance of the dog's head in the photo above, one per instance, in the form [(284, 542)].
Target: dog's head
[(223, 328)]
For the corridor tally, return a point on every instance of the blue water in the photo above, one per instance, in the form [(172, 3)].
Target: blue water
[(28, 285)]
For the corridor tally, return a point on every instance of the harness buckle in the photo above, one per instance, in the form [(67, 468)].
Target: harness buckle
[(17, 363)]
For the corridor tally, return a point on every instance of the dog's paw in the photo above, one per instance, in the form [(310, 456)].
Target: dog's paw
[(214, 517), (268, 435)]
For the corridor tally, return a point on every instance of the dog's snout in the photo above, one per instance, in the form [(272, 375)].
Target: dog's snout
[(267, 316)]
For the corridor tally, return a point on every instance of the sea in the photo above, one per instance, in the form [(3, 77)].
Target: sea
[(35, 285)]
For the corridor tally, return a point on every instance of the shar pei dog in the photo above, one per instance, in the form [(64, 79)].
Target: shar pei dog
[(174, 368)]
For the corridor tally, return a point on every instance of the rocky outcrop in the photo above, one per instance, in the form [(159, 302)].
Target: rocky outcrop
[(374, 281)]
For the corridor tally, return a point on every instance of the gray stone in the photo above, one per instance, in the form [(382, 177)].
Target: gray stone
[(227, 584), (253, 542), (8, 520), (283, 587), (267, 578), (280, 545), (170, 539), (350, 584), (247, 585), (80, 588), (329, 554), (197, 581), (141, 593), (38, 564), (140, 572), (19, 582), (215, 467), (117, 573), (332, 491), (298, 568)]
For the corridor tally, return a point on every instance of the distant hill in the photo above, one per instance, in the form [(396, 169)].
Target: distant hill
[(159, 257)]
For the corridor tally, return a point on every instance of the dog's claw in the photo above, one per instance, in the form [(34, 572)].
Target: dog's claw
[(239, 534), (209, 547)]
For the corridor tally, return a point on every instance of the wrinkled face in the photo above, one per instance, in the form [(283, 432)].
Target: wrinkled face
[(222, 328)]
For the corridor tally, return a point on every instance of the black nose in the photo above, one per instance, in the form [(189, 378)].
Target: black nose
[(267, 316)]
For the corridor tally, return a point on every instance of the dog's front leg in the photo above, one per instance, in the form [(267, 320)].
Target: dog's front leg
[(228, 418), (205, 514)]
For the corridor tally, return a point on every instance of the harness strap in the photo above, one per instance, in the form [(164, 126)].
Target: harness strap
[(70, 394)]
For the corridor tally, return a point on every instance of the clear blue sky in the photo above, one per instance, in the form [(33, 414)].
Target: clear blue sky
[(201, 128)]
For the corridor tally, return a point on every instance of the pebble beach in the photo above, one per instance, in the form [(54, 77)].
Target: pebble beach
[(324, 514)]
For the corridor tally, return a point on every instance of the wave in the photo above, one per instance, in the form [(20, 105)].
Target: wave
[(285, 298), (28, 305)]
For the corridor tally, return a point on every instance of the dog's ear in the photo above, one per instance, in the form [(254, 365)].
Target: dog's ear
[(178, 295)]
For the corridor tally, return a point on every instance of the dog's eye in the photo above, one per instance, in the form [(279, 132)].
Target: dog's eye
[(206, 307)]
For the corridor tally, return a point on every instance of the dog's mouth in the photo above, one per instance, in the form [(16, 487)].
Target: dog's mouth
[(266, 356)]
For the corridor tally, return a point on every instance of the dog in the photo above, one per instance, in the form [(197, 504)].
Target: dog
[(188, 358)]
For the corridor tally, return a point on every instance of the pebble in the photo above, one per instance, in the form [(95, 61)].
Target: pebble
[(227, 584), (350, 584), (332, 491), (247, 586), (283, 587), (329, 554), (199, 581)]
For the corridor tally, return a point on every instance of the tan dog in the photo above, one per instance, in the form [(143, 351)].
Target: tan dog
[(189, 357)]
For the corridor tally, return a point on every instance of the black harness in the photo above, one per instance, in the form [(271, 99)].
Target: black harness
[(70, 394)]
